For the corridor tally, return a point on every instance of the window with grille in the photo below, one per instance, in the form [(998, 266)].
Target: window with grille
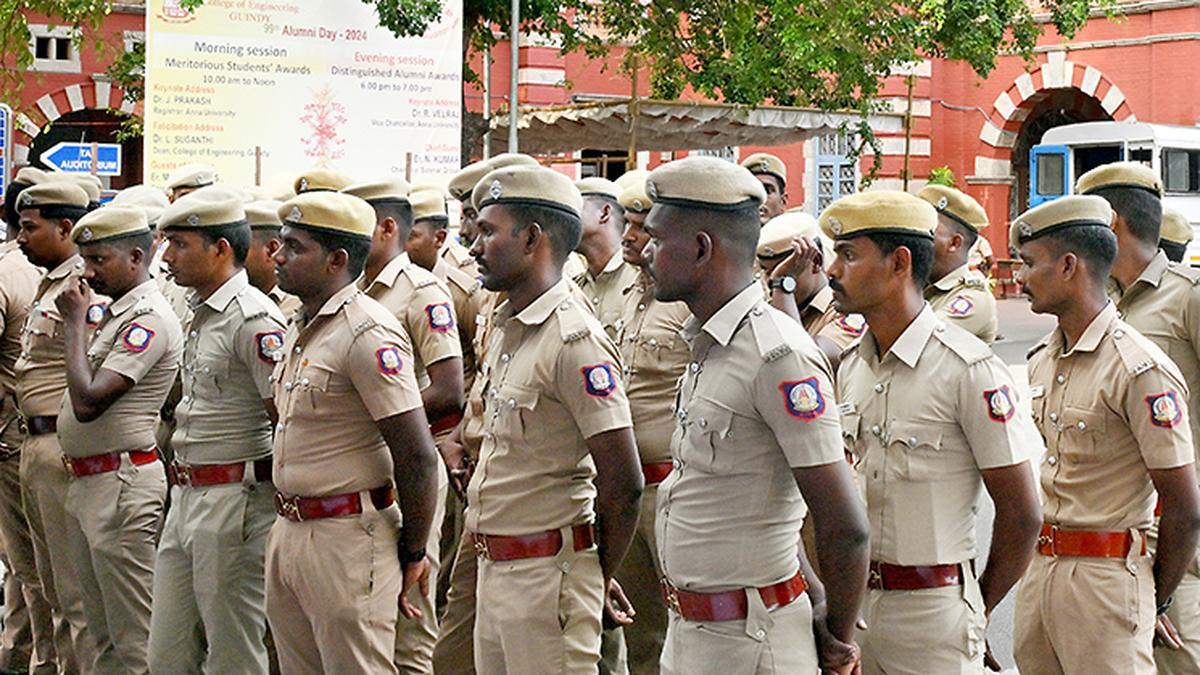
[(837, 172), (53, 49)]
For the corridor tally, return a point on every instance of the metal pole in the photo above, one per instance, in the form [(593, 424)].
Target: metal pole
[(908, 124), (514, 54), (631, 157), (487, 103)]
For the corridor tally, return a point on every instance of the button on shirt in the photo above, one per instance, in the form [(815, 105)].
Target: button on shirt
[(606, 291), (922, 421), (1110, 408), (756, 402), (423, 306), (139, 338), (962, 298), (551, 380), (655, 356), (230, 348), (1163, 304), (341, 371)]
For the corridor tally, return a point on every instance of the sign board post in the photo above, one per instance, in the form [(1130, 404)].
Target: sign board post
[(5, 148), (101, 159)]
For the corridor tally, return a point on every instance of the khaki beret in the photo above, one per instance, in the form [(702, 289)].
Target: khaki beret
[(30, 175), (634, 197), (110, 222), (86, 182), (776, 236), (327, 211), (427, 203), (192, 176), (762, 162), (1072, 211), (316, 180), (212, 206), (534, 185), (1119, 174), (956, 205), (635, 177), (511, 159), (1175, 227), (149, 199), (464, 182), (704, 183), (878, 211), (383, 190), (596, 186), (53, 193), (264, 214)]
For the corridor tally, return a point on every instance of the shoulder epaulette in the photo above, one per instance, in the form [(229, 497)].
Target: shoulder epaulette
[(965, 345), (1136, 357), (572, 321), (250, 309), (770, 340), (360, 318), (1186, 271)]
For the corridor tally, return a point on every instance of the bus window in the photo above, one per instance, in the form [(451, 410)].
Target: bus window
[(1143, 155), (1181, 170), (1050, 170)]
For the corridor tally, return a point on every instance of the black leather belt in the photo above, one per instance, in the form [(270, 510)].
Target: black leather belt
[(41, 424)]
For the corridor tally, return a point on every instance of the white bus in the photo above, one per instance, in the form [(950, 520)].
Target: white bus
[(1069, 151)]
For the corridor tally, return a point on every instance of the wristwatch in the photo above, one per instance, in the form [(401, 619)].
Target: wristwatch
[(409, 557), (1162, 609), (785, 284)]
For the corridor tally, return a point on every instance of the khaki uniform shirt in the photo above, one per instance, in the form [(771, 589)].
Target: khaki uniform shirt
[(472, 424), (230, 348), (1163, 304), (551, 380), (422, 303), (756, 402), (821, 319), (139, 338), (979, 253), (922, 421), (288, 304), (348, 367), (18, 285), (458, 256), (962, 298), (606, 291), (655, 356), (1111, 408), (41, 369), (465, 293)]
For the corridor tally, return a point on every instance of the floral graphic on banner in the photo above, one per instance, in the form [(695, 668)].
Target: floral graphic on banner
[(324, 116)]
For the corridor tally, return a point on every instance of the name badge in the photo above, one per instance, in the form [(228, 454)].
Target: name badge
[(847, 408), (1037, 392)]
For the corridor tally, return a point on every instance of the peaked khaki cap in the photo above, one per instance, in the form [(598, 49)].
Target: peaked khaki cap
[(1175, 227), (30, 175), (212, 206), (704, 183), (149, 199), (393, 189), (53, 193), (956, 205), (634, 197), (110, 222), (1060, 214), (192, 176), (766, 163), (534, 185), (878, 211), (635, 177), (776, 236), (599, 187), (428, 203), (264, 214), (316, 180), (464, 182), (1120, 174), (328, 211)]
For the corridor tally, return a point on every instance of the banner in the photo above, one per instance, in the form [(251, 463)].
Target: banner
[(305, 82)]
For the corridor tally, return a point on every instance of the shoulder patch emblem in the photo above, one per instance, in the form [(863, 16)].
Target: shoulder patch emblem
[(961, 305), (137, 337), (853, 324), (1164, 409), (95, 313), (441, 317), (598, 380), (270, 345), (389, 361), (803, 399), (1000, 404)]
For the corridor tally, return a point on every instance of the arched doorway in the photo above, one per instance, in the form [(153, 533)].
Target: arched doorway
[(91, 125), (1048, 108)]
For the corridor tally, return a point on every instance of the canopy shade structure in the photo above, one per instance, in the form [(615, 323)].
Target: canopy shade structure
[(672, 125)]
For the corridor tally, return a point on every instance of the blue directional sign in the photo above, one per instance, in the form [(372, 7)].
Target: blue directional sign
[(5, 147), (103, 159)]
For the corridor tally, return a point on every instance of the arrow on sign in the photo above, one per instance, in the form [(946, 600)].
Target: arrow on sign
[(81, 157)]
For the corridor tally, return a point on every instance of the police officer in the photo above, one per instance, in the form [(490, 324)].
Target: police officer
[(553, 503), (460, 188), (957, 292), (25, 605), (208, 576), (1175, 235), (930, 415), (772, 173), (189, 178), (321, 180), (1161, 300), (116, 384), (794, 254), (48, 213), (654, 356), (608, 275), (1112, 408), (263, 218), (756, 437), (352, 438)]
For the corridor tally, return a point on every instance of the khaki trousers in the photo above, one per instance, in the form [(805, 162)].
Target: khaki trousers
[(333, 592), (415, 638), (765, 643), (25, 604), (935, 630), (1185, 614), (639, 576), (208, 581), (44, 484), (539, 615), (113, 523), (454, 653), (1085, 615)]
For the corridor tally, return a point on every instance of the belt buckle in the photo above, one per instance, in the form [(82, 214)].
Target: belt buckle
[(672, 597), (481, 547), (289, 507), (68, 464), (183, 474), (1049, 540), (876, 578)]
